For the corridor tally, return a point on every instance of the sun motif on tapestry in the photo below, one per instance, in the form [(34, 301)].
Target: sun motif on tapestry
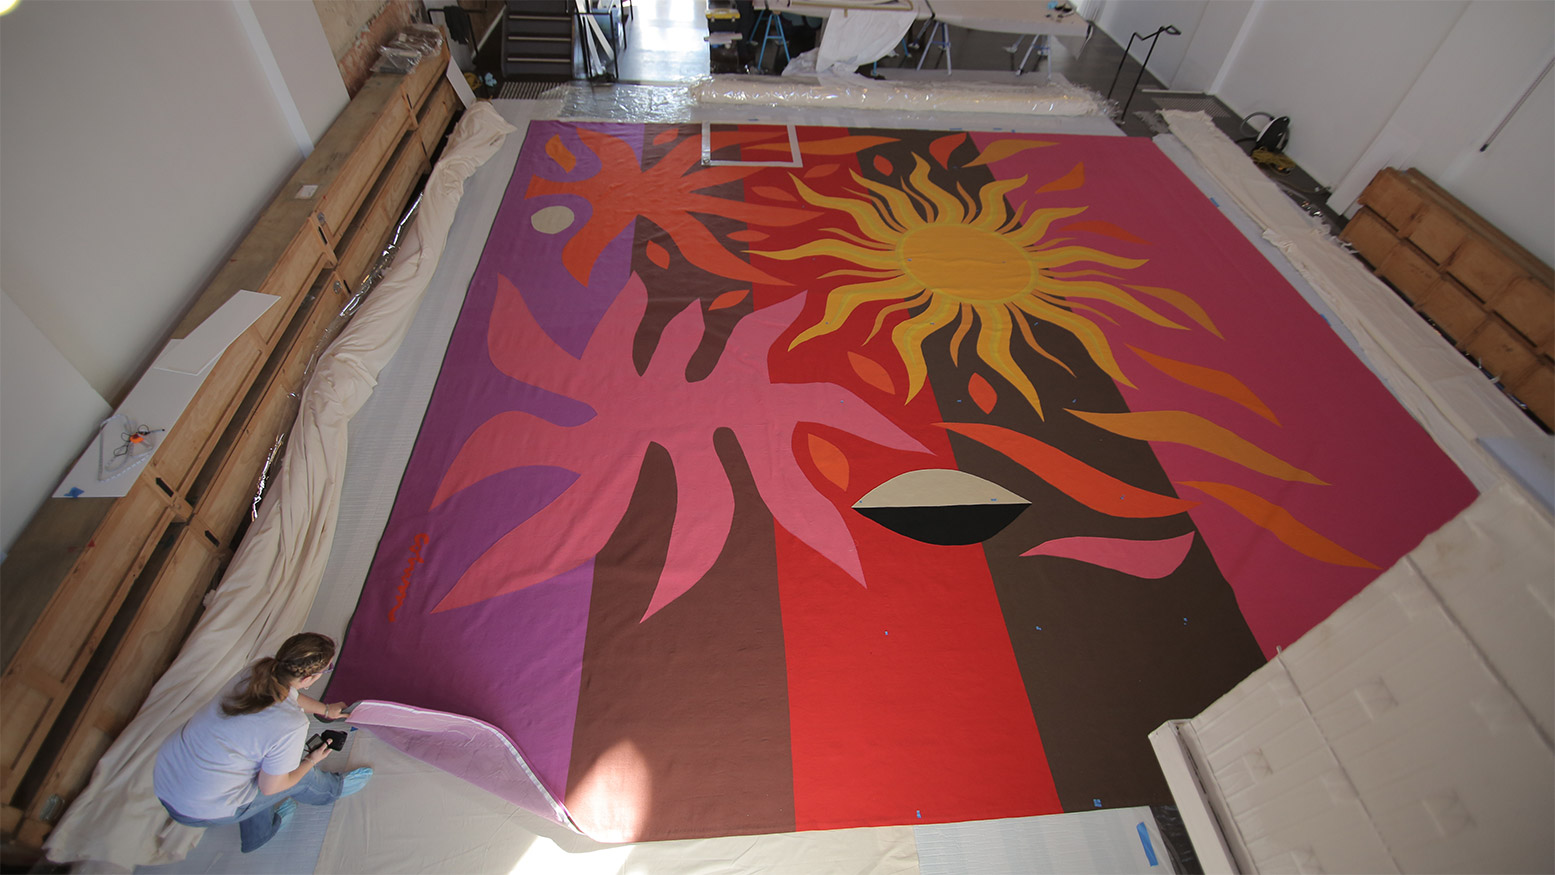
[(974, 263), (949, 260)]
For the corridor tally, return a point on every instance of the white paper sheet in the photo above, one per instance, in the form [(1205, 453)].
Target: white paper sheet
[(161, 395)]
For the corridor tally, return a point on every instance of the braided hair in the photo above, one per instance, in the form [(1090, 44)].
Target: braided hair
[(270, 679)]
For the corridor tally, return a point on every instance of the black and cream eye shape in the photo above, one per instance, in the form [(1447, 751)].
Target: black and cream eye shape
[(942, 506)]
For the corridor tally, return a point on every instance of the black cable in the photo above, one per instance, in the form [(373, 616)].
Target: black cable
[(1267, 115)]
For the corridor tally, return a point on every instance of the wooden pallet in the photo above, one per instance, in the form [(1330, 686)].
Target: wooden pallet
[(1490, 296), (99, 593)]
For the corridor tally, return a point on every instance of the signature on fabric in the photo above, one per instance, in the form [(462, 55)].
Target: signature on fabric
[(410, 568)]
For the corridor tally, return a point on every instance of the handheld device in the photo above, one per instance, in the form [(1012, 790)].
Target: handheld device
[(333, 738)]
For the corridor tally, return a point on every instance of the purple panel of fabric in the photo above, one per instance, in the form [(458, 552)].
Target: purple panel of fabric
[(464, 747), (516, 661)]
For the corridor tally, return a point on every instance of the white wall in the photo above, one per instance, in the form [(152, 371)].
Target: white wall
[(1337, 69), (291, 37), (40, 393), (139, 139), (1212, 43), (1121, 19), (1493, 53), (1374, 83)]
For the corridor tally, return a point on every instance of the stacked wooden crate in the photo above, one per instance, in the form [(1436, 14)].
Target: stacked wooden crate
[(1490, 296), (99, 593)]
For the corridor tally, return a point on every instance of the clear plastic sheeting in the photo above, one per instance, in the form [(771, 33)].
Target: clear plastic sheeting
[(859, 92), (644, 104), (409, 46), (677, 104)]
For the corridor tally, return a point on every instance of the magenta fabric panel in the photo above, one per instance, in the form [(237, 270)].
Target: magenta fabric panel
[(462, 746)]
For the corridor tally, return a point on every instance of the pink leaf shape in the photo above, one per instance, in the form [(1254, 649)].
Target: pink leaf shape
[(1151, 560), (658, 406)]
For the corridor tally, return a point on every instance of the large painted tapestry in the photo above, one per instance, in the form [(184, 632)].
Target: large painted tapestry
[(798, 480)]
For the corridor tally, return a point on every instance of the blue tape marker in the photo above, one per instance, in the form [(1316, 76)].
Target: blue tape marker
[(920, 815), (1038, 628), (75, 492), (1144, 839), (1216, 203), (1097, 801)]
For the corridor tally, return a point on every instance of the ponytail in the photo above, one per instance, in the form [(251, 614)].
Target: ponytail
[(270, 679)]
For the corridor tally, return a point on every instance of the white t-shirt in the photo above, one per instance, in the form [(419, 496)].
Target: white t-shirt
[(210, 767)]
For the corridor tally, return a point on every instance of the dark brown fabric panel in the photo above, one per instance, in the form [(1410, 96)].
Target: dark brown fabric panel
[(700, 690)]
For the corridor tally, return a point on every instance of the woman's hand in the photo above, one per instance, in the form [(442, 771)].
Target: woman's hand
[(334, 710), (317, 756)]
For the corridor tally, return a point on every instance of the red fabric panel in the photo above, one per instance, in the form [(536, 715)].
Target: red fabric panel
[(905, 700)]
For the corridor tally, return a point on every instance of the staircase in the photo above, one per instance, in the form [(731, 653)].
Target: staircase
[(537, 39)]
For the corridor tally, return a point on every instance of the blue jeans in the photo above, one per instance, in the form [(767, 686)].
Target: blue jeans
[(256, 820)]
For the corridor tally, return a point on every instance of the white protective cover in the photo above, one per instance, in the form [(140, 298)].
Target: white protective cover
[(854, 38), (269, 586)]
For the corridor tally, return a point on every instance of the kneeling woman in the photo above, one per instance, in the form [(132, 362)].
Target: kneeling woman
[(241, 758)]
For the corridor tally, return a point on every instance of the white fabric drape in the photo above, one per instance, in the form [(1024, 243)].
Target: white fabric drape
[(270, 584), (854, 38)]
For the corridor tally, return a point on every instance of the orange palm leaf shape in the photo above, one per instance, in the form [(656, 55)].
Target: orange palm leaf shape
[(664, 194)]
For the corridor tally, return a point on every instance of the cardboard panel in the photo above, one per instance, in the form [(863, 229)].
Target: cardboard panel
[(1437, 233), (1537, 390), (1292, 806), (1500, 350), (1428, 709), (1453, 309), (1409, 271), (1482, 268), (1449, 767), (1491, 568), (1529, 307)]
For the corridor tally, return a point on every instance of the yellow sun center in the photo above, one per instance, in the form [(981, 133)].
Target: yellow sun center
[(966, 262)]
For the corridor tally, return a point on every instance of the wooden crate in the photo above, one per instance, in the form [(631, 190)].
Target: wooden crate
[(172, 586), (367, 139), (1489, 295), (191, 440), (370, 233), (435, 116), (222, 496), (57, 648), (99, 593)]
